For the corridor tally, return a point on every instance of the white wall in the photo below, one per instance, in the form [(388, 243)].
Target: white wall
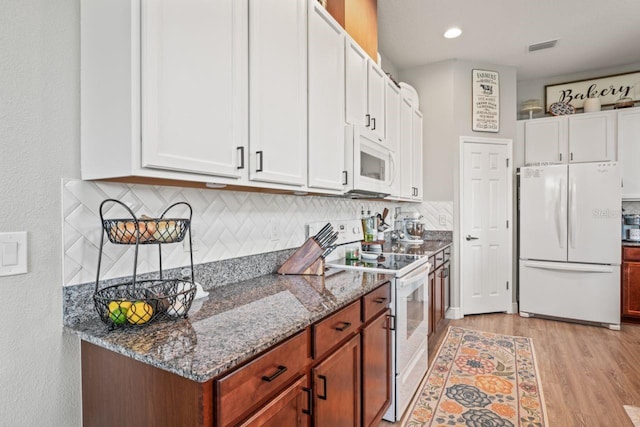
[(39, 144)]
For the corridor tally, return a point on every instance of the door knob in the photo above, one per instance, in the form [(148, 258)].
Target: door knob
[(470, 237)]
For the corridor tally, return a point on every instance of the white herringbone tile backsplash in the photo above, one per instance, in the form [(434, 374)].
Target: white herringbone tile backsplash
[(226, 224)]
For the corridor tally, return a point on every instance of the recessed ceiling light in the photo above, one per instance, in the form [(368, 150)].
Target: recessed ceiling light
[(452, 33)]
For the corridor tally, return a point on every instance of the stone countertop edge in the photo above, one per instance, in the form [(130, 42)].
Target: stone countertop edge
[(630, 243), (233, 323)]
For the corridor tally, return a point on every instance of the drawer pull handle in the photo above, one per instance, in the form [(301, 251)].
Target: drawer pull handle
[(308, 411), (379, 300), (343, 326), (281, 370), (324, 380)]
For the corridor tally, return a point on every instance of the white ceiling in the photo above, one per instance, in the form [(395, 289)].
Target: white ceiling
[(592, 34)]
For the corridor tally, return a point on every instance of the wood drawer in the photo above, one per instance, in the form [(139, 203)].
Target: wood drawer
[(335, 329), (245, 388), (376, 301), (439, 259), (630, 253)]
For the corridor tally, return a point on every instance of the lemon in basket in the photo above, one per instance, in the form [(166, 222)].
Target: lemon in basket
[(118, 311), (139, 313)]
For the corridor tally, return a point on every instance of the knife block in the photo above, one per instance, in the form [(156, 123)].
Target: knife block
[(305, 260)]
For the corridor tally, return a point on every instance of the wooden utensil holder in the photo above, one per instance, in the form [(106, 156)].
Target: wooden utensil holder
[(305, 260)]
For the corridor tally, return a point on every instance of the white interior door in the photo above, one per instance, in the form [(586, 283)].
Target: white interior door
[(485, 234)]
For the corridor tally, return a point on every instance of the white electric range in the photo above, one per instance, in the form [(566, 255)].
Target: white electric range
[(409, 307)]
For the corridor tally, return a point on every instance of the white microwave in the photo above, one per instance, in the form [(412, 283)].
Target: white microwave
[(369, 164)]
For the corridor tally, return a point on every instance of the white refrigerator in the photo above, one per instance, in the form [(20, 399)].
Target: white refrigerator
[(570, 242)]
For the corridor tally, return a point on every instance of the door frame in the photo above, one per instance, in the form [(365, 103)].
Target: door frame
[(513, 306)]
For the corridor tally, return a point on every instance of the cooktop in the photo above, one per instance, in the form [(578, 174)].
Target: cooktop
[(398, 264)]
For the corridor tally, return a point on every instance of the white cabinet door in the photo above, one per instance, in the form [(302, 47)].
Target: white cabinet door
[(278, 91), (356, 84), (376, 83), (416, 154), (592, 137), (193, 86), (545, 140), (326, 100), (629, 146), (392, 137), (406, 146)]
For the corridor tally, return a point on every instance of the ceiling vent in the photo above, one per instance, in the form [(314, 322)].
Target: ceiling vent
[(544, 45)]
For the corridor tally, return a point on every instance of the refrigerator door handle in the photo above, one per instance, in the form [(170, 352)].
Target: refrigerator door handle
[(561, 215), (572, 213), (565, 266)]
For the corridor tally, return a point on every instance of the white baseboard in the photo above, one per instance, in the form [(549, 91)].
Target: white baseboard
[(454, 313), (514, 308)]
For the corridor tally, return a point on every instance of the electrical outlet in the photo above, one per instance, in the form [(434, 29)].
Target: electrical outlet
[(274, 230), (442, 219), (195, 243)]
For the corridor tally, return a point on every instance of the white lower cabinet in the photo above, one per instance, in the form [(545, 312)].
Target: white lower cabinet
[(629, 145)]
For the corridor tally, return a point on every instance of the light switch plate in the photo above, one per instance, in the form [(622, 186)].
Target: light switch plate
[(13, 253)]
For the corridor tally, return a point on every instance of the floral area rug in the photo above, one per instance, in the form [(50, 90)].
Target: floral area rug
[(479, 379)]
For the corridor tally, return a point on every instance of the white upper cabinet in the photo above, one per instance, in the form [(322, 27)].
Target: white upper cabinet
[(376, 80), (416, 155), (278, 91), (392, 120), (407, 189), (545, 140), (592, 137), (364, 91), (326, 100), (193, 81), (586, 137), (629, 145)]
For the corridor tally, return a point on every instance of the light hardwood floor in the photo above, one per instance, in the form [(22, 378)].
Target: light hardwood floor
[(587, 372)]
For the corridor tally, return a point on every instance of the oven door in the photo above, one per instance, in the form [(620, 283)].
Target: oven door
[(412, 312), (370, 162)]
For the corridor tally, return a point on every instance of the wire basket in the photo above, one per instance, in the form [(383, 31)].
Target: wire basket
[(144, 302), (140, 302)]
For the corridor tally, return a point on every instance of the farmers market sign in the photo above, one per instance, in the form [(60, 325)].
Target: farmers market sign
[(608, 88)]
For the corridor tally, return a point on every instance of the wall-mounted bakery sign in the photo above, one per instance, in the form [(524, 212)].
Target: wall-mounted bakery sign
[(609, 89)]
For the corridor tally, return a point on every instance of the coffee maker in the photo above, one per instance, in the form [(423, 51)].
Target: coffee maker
[(407, 227)]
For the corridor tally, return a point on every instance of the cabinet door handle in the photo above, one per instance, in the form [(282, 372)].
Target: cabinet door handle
[(309, 410), (368, 117), (324, 380), (281, 370), (560, 156), (373, 123), (345, 176), (259, 160), (379, 300), (241, 149), (343, 326), (392, 322), (571, 158)]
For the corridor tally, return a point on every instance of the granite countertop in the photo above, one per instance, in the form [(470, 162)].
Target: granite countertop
[(630, 243), (234, 323)]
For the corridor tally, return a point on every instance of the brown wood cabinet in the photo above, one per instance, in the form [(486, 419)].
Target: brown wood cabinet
[(359, 18), (282, 386), (336, 383), (439, 284), (376, 369), (630, 300)]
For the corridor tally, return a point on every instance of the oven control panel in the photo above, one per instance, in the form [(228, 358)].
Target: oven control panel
[(349, 230)]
